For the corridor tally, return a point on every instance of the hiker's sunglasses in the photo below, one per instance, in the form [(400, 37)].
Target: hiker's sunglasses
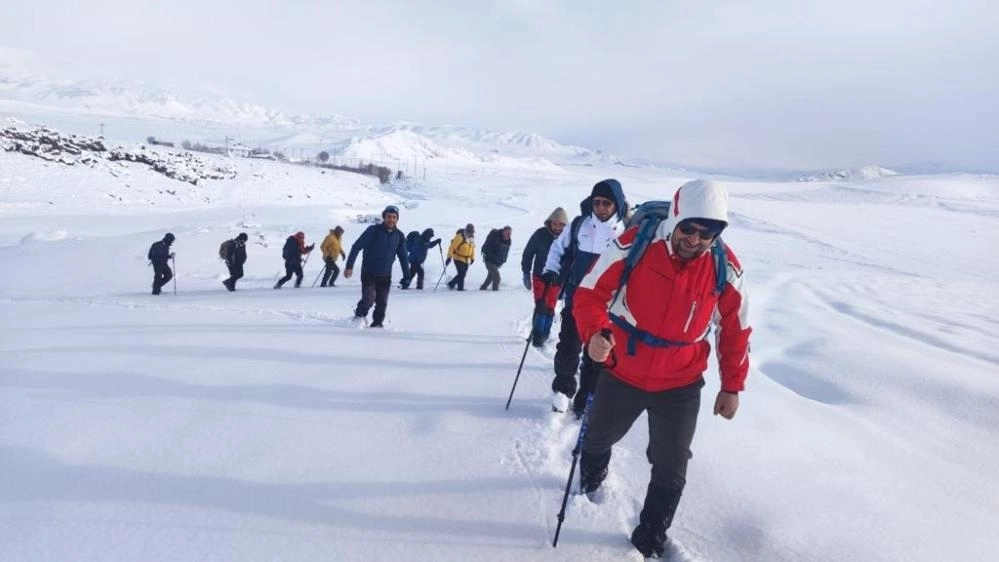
[(689, 229), (601, 202)]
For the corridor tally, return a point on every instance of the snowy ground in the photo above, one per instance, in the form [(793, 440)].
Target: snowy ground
[(262, 425)]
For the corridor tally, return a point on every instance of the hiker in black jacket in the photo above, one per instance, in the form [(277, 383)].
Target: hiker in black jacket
[(494, 253), (235, 257), (294, 249), (532, 263), (418, 245), (382, 244), (159, 255)]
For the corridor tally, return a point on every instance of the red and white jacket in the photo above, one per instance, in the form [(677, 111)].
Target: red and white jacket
[(673, 300)]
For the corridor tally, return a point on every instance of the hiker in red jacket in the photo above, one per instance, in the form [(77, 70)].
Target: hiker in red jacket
[(657, 350)]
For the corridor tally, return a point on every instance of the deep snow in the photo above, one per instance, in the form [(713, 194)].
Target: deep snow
[(263, 425)]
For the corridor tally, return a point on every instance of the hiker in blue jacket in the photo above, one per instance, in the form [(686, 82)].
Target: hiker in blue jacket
[(381, 243), (418, 245)]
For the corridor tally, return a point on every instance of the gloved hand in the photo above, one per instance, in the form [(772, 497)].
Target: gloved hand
[(447, 262), (549, 277), (527, 280), (310, 247)]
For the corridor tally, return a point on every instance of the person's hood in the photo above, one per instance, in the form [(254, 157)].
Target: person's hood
[(558, 215), (620, 203), (697, 199)]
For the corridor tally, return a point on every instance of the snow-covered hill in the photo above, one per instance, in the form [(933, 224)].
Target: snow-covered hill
[(851, 174)]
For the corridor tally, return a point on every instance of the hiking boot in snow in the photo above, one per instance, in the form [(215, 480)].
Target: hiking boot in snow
[(376, 324), (560, 402), (579, 403), (592, 471), (656, 517), (650, 543)]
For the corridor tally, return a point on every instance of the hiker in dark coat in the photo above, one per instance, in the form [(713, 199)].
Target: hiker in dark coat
[(532, 263), (234, 259), (294, 249), (418, 245), (159, 255), (382, 244), (494, 253)]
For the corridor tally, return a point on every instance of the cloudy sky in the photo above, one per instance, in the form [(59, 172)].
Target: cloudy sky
[(774, 84)]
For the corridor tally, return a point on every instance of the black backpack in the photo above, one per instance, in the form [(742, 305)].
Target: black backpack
[(224, 249)]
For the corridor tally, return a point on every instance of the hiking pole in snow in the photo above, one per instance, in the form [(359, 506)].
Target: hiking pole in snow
[(534, 327), (317, 277), (606, 333), (174, 262)]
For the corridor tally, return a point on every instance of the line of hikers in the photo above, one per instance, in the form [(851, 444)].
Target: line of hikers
[(641, 294)]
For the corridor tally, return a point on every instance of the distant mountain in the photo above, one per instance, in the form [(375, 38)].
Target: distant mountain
[(184, 116), (403, 146), (854, 174), (142, 100)]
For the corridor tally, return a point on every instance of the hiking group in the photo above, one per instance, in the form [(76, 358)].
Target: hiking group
[(640, 292)]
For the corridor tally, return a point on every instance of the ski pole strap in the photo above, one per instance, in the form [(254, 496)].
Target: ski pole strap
[(636, 335)]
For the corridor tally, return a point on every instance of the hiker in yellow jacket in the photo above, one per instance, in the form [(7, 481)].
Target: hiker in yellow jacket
[(332, 248), (462, 251)]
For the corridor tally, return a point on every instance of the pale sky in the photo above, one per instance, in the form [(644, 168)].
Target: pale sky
[(776, 84)]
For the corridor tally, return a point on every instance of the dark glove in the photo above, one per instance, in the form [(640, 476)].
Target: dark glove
[(549, 277), (310, 247), (447, 262), (527, 280)]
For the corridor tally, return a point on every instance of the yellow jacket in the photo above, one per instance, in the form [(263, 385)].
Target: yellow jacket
[(332, 247), (462, 249)]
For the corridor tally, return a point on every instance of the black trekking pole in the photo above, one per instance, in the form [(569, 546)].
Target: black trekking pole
[(321, 271), (606, 333), (527, 346), (174, 262)]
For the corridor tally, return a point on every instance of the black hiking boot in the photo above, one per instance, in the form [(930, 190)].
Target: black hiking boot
[(376, 324), (592, 471), (649, 537)]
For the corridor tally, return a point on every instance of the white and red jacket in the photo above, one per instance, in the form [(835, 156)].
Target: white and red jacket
[(671, 299)]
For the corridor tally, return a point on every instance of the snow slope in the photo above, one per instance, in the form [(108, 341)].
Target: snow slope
[(264, 425)]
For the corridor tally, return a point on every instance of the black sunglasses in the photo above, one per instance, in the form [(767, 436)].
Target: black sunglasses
[(703, 233), (601, 202)]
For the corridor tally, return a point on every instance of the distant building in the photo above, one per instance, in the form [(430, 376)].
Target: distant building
[(240, 151)]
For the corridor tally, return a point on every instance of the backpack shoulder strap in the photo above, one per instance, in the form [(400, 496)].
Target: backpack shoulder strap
[(721, 265), (646, 232)]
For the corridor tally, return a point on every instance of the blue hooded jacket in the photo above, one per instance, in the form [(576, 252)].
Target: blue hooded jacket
[(381, 247)]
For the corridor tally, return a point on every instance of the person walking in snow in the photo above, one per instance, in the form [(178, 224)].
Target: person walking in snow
[(332, 248), (159, 255), (494, 253), (235, 257), (664, 317), (569, 258), (294, 249), (533, 261), (462, 251), (418, 245), (381, 243)]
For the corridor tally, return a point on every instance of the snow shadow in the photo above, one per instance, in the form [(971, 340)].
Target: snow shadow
[(73, 386), (32, 475), (805, 384)]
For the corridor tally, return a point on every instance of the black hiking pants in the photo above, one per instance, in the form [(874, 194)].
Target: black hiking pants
[(292, 268), (161, 276), (235, 274), (416, 272), (330, 273), (672, 416), (567, 361), (374, 290), (458, 281)]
